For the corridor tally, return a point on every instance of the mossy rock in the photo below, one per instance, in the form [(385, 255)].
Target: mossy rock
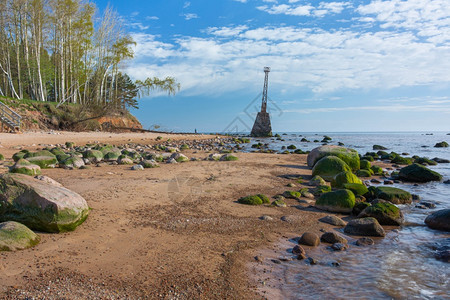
[(62, 157), (264, 198), (15, 236), (359, 207), (125, 161), (365, 164), (441, 145), (229, 157), (111, 156), (393, 195), (321, 189), (291, 147), (377, 170), (254, 200), (349, 156), (345, 177), (317, 180), (292, 194), (341, 201), (279, 203), (425, 161), (2, 157), (364, 173), (184, 147), (23, 166), (40, 205), (368, 158), (384, 212), (18, 155), (39, 153), (57, 151), (358, 189), (95, 156), (330, 166), (70, 144), (149, 164), (400, 160), (45, 162), (72, 162), (378, 147), (418, 173)]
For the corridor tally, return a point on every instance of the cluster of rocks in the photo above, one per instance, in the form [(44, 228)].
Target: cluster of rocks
[(36, 203), (69, 156)]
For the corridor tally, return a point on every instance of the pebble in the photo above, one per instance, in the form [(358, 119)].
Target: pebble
[(266, 218), (312, 261), (388, 182), (364, 241), (339, 247), (298, 250)]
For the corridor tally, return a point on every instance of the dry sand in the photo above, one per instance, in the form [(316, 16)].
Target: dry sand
[(175, 232)]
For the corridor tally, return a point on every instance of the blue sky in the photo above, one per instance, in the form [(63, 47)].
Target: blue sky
[(357, 65)]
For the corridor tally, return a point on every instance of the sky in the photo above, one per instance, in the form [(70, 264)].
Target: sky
[(354, 66)]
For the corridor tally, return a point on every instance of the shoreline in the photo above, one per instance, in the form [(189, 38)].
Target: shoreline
[(191, 241)]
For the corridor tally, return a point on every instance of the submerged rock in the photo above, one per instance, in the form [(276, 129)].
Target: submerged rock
[(15, 236), (364, 241), (365, 227), (418, 173), (439, 220), (40, 205), (332, 238)]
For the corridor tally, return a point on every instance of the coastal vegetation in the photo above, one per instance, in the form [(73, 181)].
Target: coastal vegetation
[(67, 52)]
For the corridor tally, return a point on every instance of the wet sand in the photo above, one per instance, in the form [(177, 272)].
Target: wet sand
[(170, 232)]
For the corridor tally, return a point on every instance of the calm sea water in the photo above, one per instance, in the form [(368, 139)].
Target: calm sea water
[(400, 266)]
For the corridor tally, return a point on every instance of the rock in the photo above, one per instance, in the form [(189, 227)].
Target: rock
[(292, 194), (447, 182), (385, 213), (179, 157), (309, 239), (73, 162), (15, 236), (45, 162), (418, 173), (94, 156), (363, 173), (312, 261), (345, 177), (441, 145), (349, 156), (317, 180), (358, 189), (38, 153), (379, 147), (149, 164), (443, 255), (388, 182), (393, 195), (48, 180), (374, 180), (329, 166), (279, 203), (214, 156), (137, 168), (365, 164), (301, 256), (333, 237), (339, 247), (364, 227), (172, 161), (441, 160), (364, 241), (338, 201), (125, 161), (359, 207), (439, 220), (333, 220), (321, 189), (266, 218), (428, 204), (40, 205), (112, 155), (23, 166), (254, 200), (228, 157), (308, 195), (298, 250)]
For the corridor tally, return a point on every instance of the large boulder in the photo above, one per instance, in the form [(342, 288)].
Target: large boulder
[(345, 177), (349, 156), (15, 236), (40, 205), (393, 195), (418, 173), (72, 162), (364, 227), (339, 201), (439, 220), (23, 166), (385, 213), (94, 156), (329, 166)]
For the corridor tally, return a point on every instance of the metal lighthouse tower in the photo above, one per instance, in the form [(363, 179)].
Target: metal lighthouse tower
[(262, 127)]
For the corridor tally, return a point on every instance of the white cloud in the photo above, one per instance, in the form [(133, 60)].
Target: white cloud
[(386, 108), (190, 16), (292, 9), (148, 18)]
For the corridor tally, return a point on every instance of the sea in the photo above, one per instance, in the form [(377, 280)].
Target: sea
[(402, 265)]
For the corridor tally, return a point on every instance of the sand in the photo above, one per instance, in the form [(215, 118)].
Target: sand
[(175, 232)]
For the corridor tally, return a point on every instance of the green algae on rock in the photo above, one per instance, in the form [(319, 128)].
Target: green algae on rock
[(338, 201), (349, 156), (15, 236), (418, 173), (330, 166), (23, 166)]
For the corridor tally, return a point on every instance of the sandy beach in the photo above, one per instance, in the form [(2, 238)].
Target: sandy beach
[(174, 232)]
